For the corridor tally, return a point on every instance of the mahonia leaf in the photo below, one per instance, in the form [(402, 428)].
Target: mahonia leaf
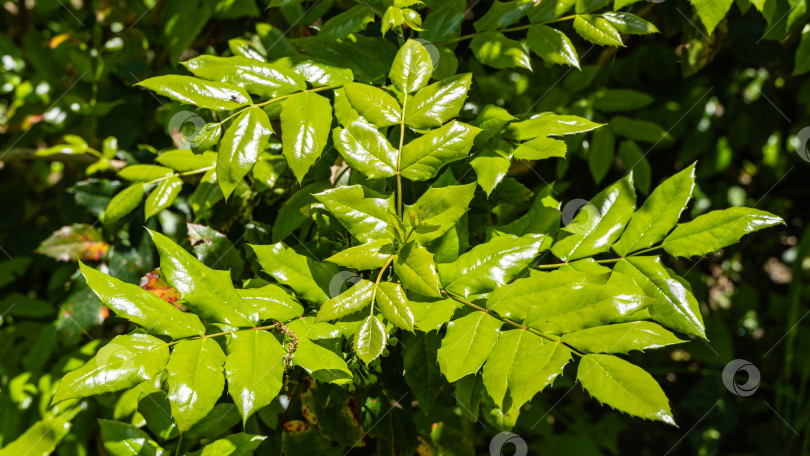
[(196, 380), (370, 339), (208, 292), (491, 264), (624, 386), (74, 242), (467, 344), (415, 268), (621, 338), (254, 368), (674, 305), (394, 305), (141, 307), (307, 277), (123, 363), (711, 232)]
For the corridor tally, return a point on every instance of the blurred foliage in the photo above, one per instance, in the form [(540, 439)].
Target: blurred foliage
[(730, 97)]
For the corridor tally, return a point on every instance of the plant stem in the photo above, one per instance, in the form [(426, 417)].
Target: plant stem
[(273, 100), (379, 278), (554, 339), (185, 173), (509, 29), (640, 252), (179, 444), (400, 209)]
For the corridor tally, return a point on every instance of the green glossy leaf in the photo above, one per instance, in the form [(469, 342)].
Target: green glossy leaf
[(144, 173), (674, 307), (370, 339), (432, 313), (552, 45), (423, 157), (597, 30), (254, 368), (366, 149), (540, 149), (548, 124), (439, 102), (629, 23), (241, 146), (711, 232), (492, 264), (514, 300), (270, 302), (263, 79), (348, 302), (304, 275), (40, 439), (419, 352), (467, 344), (361, 210), (209, 292), (240, 444), (372, 255), (585, 307), (214, 95), (523, 364), (598, 225), (415, 268), (323, 364), (142, 307), (163, 195), (498, 51), (412, 67), (492, 164), (122, 439), (196, 380), (305, 122), (394, 305), (711, 12), (439, 208), (624, 386), (123, 363), (503, 14), (659, 213), (123, 203), (621, 338), (373, 104)]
